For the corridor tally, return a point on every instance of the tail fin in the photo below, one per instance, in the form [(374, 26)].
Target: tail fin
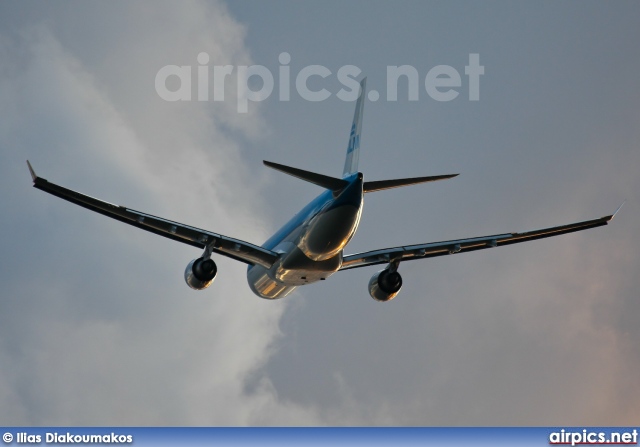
[(353, 151)]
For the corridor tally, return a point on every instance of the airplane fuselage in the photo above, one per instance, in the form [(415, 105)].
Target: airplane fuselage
[(310, 245), (309, 248)]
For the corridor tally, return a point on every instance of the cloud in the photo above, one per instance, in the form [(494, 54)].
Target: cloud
[(98, 327), (89, 334)]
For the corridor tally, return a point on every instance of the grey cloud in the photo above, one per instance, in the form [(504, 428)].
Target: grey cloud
[(97, 326), (89, 334)]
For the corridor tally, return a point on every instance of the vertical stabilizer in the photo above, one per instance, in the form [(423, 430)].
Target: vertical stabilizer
[(353, 151)]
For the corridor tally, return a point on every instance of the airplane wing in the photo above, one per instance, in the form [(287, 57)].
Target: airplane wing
[(230, 247), (433, 249)]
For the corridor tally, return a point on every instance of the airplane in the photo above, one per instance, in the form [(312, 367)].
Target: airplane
[(309, 248)]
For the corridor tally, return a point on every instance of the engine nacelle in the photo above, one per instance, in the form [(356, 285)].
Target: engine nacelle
[(385, 285), (200, 273)]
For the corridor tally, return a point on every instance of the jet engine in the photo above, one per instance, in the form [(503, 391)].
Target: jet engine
[(385, 285), (200, 273)]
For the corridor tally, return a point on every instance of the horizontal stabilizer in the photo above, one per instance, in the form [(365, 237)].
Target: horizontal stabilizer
[(332, 183), (379, 185)]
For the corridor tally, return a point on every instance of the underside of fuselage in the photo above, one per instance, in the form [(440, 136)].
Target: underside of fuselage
[(309, 248), (310, 245)]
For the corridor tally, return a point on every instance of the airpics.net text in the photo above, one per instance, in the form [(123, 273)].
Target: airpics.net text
[(441, 82)]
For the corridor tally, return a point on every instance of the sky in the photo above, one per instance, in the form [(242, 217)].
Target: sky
[(97, 326)]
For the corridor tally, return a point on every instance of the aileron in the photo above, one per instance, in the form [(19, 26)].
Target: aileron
[(310, 247), (433, 249), (233, 248)]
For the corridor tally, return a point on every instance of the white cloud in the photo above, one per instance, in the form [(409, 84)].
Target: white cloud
[(98, 327), (103, 330)]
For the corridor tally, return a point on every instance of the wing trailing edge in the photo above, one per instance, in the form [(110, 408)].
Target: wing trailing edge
[(433, 249), (224, 245)]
